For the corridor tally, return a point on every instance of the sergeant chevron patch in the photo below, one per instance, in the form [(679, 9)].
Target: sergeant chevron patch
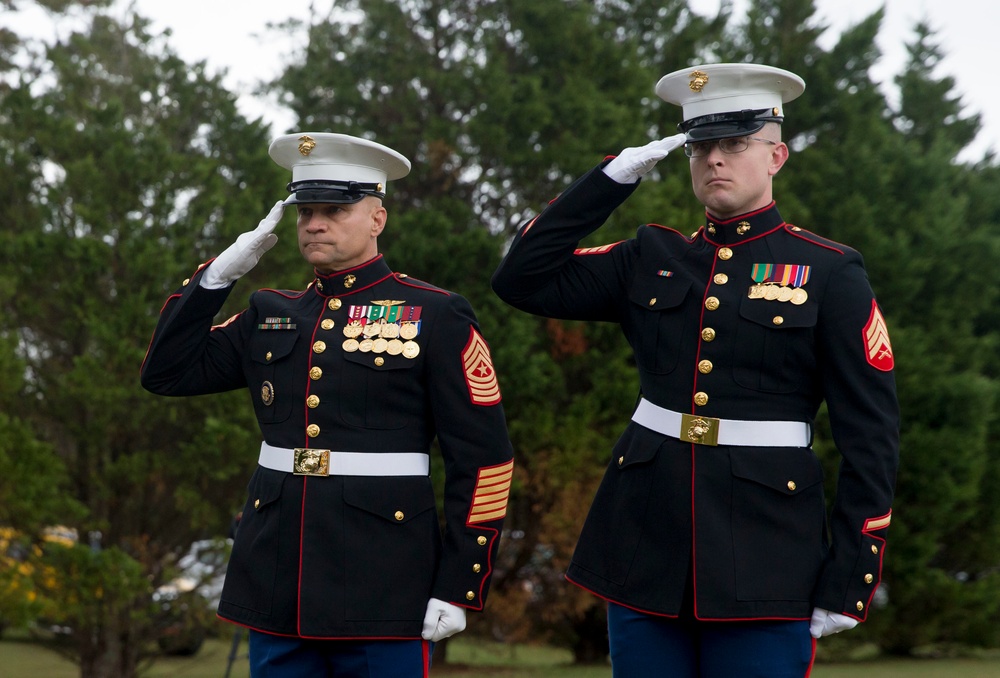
[(489, 501), (480, 377), (597, 250), (877, 346)]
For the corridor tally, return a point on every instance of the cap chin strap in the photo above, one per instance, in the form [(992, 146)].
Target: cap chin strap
[(352, 188)]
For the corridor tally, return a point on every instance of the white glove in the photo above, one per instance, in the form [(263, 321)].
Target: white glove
[(824, 623), (237, 259), (632, 163), (442, 620)]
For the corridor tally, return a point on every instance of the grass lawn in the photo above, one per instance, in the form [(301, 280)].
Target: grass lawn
[(20, 658)]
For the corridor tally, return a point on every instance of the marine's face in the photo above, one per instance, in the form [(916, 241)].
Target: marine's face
[(729, 184), (333, 237)]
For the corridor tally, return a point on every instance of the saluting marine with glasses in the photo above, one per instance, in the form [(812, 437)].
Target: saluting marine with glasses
[(708, 535), (338, 566)]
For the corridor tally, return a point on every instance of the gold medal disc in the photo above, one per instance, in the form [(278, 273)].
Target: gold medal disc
[(411, 350), (799, 296), (350, 345), (408, 331), (785, 294), (395, 347), (772, 292)]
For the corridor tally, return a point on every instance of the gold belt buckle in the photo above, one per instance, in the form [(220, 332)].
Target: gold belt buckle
[(310, 462), (700, 430)]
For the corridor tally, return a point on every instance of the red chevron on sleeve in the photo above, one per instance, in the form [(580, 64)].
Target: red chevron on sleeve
[(878, 349), (480, 377)]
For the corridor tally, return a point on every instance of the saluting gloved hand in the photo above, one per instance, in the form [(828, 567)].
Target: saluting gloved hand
[(825, 623), (632, 163), (442, 620), (237, 259)]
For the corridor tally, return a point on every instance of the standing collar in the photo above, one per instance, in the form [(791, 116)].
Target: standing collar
[(743, 227), (353, 279)]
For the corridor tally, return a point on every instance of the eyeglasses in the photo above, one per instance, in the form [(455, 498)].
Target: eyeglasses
[(700, 149)]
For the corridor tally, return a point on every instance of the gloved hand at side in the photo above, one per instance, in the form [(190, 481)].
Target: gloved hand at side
[(825, 623), (632, 163), (237, 259), (442, 620)]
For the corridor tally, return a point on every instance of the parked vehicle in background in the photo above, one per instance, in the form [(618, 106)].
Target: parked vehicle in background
[(187, 603)]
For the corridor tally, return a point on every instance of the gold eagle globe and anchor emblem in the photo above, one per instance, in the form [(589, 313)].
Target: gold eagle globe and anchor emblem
[(698, 81), (306, 144)]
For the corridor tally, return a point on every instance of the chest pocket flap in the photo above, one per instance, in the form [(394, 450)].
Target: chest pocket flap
[(268, 347), (779, 316), (658, 293)]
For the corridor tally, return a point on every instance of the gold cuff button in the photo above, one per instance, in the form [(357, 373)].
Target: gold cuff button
[(312, 430), (477, 568), (874, 549), (470, 596), (869, 579), (860, 606), (398, 515), (481, 541)]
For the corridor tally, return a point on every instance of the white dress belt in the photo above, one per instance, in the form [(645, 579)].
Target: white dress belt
[(712, 431), (318, 462)]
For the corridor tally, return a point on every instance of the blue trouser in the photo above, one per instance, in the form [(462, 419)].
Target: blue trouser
[(281, 657), (648, 646)]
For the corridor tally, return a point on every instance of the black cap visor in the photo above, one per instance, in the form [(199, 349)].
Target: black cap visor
[(725, 125), (335, 192)]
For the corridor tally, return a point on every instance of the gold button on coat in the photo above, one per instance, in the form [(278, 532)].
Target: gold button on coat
[(315, 373), (470, 596), (874, 549), (621, 460), (319, 347), (705, 366), (860, 606), (267, 356), (379, 361), (327, 324), (792, 485), (187, 281), (312, 401), (725, 254), (398, 515), (652, 302), (712, 303), (312, 430), (256, 503), (700, 398), (334, 304), (481, 541), (721, 278), (869, 579), (778, 320), (477, 568), (708, 334)]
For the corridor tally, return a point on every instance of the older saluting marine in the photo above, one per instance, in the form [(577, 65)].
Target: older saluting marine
[(709, 536), (339, 567)]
